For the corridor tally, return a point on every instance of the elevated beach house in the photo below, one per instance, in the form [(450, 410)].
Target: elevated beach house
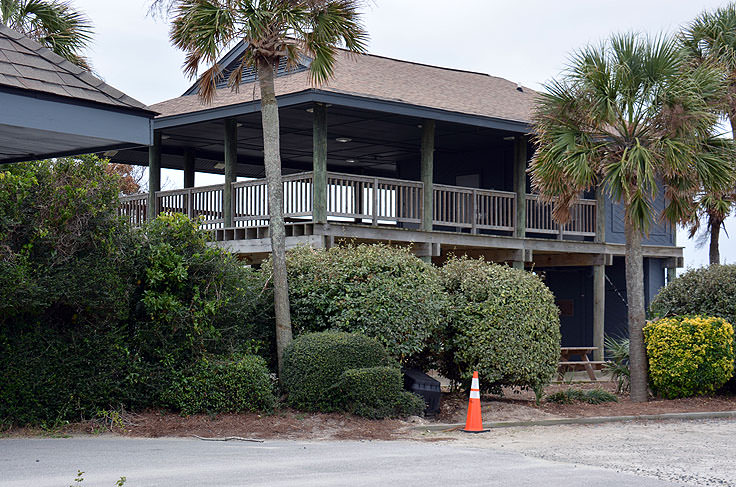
[(389, 151)]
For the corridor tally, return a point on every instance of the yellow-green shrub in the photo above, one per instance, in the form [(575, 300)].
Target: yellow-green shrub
[(689, 355)]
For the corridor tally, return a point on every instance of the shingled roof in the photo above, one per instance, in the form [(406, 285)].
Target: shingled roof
[(388, 79), (26, 64)]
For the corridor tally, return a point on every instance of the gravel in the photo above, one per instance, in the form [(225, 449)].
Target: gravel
[(701, 453)]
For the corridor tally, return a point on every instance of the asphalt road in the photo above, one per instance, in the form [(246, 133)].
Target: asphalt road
[(190, 462)]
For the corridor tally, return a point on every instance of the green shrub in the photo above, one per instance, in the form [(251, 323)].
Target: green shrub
[(313, 364), (383, 292), (707, 291), (95, 315), (235, 383), (618, 364), (67, 274), (590, 396), (503, 323), (689, 355), (376, 393)]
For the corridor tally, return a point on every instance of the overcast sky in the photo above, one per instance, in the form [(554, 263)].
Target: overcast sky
[(522, 40)]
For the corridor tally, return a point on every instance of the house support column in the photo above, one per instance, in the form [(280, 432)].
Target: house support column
[(154, 174), (319, 163), (600, 215), (520, 162), (231, 158), (427, 175), (599, 310), (189, 169)]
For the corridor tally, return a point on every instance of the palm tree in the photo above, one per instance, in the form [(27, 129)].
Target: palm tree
[(712, 207), (53, 23), (624, 116), (271, 30), (711, 37)]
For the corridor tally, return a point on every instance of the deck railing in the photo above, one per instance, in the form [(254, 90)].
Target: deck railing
[(367, 200), (473, 208), (539, 218)]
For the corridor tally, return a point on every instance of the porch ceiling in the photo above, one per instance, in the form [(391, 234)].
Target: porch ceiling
[(379, 142)]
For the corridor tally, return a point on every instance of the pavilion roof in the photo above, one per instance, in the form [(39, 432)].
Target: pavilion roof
[(27, 65), (381, 78)]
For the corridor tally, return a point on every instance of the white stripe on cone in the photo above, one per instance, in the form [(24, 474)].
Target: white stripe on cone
[(474, 394), (475, 384)]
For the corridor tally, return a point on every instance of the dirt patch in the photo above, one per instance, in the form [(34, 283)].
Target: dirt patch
[(520, 405), (285, 424), (514, 405)]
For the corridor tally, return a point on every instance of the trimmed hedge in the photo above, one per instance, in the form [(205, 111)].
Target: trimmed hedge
[(689, 355), (707, 291), (376, 393), (233, 384), (503, 323), (382, 292), (314, 362)]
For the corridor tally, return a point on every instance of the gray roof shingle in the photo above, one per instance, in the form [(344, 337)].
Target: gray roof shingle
[(25, 63), (389, 79)]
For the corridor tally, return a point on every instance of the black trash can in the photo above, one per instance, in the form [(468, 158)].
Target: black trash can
[(420, 383)]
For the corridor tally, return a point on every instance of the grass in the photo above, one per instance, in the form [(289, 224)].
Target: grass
[(590, 396)]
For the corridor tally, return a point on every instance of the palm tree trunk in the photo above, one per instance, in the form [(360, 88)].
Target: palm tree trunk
[(714, 252), (272, 161), (637, 314)]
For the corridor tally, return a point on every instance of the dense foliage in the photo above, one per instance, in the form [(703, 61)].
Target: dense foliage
[(376, 393), (314, 362), (235, 383), (66, 274), (503, 323), (689, 355), (95, 315), (709, 291), (383, 292)]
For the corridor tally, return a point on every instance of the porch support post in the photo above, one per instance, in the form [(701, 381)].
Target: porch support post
[(319, 163), (520, 185), (599, 309), (231, 158), (427, 175), (520, 156), (189, 169), (600, 214), (154, 174)]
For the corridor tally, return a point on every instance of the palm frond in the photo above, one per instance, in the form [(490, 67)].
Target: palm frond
[(53, 23)]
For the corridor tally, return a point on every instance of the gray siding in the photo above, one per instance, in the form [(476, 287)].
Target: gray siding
[(661, 232)]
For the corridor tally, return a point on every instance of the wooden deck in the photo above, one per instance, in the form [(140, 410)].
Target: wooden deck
[(369, 200)]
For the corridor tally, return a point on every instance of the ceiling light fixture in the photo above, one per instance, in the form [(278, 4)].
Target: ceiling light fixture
[(343, 140), (220, 165), (350, 161), (509, 139)]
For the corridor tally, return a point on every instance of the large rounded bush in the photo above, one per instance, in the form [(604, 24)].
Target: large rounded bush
[(383, 292), (689, 355), (235, 383), (503, 323), (709, 291), (314, 362)]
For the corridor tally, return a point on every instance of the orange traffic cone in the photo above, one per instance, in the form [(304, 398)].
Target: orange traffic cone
[(474, 422)]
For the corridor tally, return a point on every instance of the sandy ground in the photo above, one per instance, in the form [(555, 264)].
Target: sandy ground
[(698, 453)]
